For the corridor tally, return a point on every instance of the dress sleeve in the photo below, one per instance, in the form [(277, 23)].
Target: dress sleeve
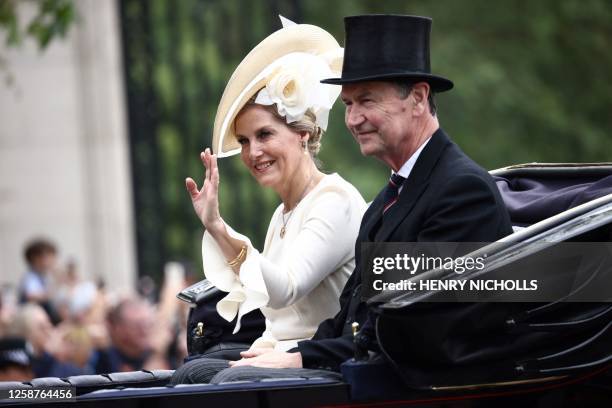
[(243, 297)]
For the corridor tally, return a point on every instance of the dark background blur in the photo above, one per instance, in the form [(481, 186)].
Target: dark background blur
[(532, 83)]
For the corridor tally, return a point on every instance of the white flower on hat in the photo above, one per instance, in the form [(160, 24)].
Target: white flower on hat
[(286, 90), (294, 86)]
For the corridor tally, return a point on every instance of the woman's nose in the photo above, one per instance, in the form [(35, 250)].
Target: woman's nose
[(254, 150)]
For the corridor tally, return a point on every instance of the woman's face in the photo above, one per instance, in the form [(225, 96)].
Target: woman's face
[(271, 150)]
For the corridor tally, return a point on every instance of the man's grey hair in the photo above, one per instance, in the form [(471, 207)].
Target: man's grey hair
[(405, 87)]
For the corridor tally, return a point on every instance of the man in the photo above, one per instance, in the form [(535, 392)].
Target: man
[(130, 326), (443, 196)]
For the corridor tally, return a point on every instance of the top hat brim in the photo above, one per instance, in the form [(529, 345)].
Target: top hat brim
[(437, 83)]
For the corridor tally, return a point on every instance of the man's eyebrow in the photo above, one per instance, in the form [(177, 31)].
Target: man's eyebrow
[(363, 94)]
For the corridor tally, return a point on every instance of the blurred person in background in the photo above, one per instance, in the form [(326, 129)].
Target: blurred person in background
[(41, 257), (82, 305), (78, 348), (65, 288), (171, 318), (48, 347), (143, 336), (131, 325), (15, 364), (95, 317), (147, 288)]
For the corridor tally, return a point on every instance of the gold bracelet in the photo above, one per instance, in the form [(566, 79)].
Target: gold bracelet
[(240, 258)]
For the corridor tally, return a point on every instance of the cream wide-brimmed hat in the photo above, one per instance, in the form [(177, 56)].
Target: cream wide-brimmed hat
[(288, 65)]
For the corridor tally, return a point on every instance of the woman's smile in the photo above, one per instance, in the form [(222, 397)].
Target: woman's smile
[(263, 166)]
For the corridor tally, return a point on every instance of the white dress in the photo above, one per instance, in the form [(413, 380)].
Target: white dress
[(295, 280)]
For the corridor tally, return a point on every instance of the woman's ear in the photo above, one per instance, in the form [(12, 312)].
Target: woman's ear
[(304, 136)]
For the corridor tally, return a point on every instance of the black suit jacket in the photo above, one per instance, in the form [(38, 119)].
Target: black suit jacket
[(446, 198)]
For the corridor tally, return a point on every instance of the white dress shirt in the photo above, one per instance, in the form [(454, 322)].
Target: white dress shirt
[(406, 168)]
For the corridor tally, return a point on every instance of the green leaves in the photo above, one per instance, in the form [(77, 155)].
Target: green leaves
[(8, 22), (52, 20)]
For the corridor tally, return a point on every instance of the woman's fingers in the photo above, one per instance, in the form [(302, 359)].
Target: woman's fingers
[(192, 187), (206, 160), (209, 161), (215, 180), (215, 171)]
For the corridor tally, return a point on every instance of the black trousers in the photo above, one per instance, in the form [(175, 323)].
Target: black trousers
[(216, 371)]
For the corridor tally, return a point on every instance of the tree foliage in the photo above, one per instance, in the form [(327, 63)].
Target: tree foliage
[(53, 19)]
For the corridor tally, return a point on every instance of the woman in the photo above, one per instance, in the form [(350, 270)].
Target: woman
[(273, 112)]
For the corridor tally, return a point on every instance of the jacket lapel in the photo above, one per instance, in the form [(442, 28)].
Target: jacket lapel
[(372, 217), (414, 185)]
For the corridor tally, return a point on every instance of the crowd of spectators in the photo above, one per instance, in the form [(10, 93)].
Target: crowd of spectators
[(55, 323)]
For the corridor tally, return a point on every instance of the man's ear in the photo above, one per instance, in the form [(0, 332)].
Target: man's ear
[(420, 93)]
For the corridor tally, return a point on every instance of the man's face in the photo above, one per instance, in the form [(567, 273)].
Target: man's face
[(378, 118), (132, 334)]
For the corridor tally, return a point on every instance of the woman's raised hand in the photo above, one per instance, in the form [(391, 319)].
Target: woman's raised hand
[(206, 201)]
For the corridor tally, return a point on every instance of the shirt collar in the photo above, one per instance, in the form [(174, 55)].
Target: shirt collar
[(406, 169)]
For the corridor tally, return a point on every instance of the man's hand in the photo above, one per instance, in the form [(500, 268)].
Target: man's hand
[(256, 351), (268, 359)]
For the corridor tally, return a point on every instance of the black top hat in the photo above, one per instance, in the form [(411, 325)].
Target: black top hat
[(388, 47)]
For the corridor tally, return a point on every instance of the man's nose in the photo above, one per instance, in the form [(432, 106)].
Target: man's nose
[(353, 116)]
